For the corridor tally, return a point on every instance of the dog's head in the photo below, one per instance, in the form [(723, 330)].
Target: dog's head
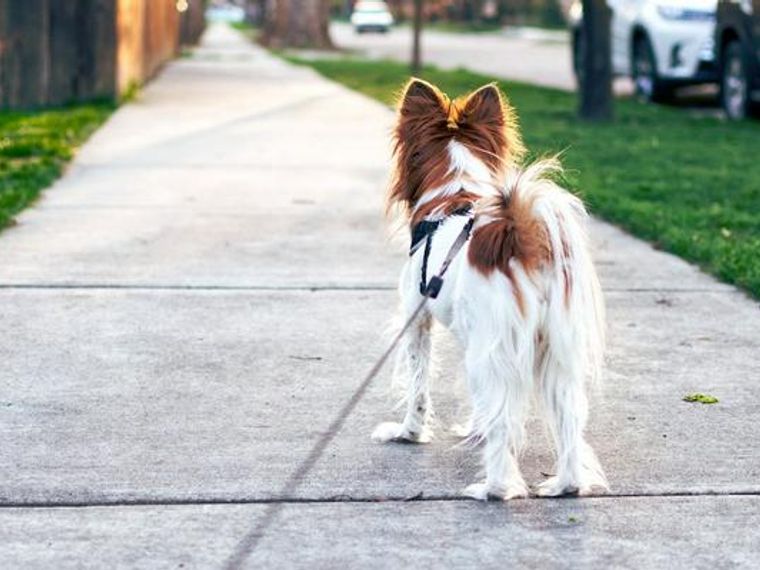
[(428, 122)]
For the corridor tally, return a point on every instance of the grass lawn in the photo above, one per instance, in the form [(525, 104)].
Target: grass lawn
[(689, 185), (34, 148)]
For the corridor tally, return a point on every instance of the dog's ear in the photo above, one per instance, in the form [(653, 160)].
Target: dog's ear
[(485, 105), (488, 123), (420, 98)]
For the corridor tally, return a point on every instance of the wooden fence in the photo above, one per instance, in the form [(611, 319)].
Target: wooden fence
[(59, 51)]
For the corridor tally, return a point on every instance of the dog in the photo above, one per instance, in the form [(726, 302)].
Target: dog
[(522, 295)]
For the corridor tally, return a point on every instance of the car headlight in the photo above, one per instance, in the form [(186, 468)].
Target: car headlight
[(676, 12)]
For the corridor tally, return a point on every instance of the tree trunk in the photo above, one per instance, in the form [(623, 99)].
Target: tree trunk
[(297, 23), (193, 22), (596, 76), (416, 64)]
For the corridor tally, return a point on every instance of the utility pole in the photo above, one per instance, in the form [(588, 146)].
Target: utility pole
[(417, 32), (596, 76)]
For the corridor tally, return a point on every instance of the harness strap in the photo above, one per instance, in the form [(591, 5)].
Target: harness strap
[(433, 287), (420, 233), (423, 232), (425, 257)]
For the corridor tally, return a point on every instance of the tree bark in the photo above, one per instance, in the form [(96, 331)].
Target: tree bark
[(416, 63), (596, 77), (193, 22), (297, 23)]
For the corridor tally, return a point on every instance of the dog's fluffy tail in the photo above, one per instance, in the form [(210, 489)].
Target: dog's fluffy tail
[(534, 233), (543, 226), (575, 317)]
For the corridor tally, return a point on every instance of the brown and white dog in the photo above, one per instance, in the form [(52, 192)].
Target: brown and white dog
[(522, 296)]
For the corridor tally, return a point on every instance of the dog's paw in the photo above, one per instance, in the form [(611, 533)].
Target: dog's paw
[(387, 431), (556, 487), (395, 432), (486, 492)]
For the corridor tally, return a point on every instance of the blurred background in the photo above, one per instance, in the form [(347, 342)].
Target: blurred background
[(695, 52), (54, 52)]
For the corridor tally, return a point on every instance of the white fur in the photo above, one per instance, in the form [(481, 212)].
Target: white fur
[(468, 172), (506, 365)]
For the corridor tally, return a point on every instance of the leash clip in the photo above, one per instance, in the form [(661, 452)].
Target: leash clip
[(434, 287)]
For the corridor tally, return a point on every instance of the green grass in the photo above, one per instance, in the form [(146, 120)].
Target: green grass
[(687, 184), (242, 26), (34, 148)]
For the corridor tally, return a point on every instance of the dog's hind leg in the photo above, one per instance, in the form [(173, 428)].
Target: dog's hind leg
[(499, 398), (563, 398), (415, 351)]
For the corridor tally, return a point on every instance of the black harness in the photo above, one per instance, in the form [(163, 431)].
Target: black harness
[(423, 232)]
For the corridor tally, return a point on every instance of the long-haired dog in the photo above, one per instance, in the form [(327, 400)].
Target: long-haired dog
[(521, 296)]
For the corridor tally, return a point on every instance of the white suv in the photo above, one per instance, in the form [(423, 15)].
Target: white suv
[(660, 44)]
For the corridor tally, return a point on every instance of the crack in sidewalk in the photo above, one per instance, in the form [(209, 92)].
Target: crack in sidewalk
[(348, 499)]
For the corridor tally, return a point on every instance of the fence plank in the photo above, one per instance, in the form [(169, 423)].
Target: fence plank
[(26, 67), (58, 51), (96, 49), (63, 52)]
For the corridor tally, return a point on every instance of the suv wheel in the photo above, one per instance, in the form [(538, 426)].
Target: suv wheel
[(649, 87), (734, 83)]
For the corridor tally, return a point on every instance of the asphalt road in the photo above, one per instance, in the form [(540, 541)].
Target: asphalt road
[(532, 55)]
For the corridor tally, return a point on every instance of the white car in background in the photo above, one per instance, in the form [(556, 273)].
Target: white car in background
[(660, 44), (371, 16)]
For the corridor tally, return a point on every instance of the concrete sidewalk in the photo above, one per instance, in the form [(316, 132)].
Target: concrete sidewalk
[(187, 311)]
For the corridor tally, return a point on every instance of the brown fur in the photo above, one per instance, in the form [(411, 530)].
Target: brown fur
[(444, 206), (428, 120), (515, 233)]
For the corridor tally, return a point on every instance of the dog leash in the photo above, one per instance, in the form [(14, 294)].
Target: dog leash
[(250, 541), (431, 291)]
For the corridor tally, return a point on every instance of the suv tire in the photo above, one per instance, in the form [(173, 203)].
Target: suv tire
[(734, 82), (648, 85)]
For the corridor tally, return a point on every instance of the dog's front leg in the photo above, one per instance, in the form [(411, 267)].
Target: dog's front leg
[(415, 351)]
